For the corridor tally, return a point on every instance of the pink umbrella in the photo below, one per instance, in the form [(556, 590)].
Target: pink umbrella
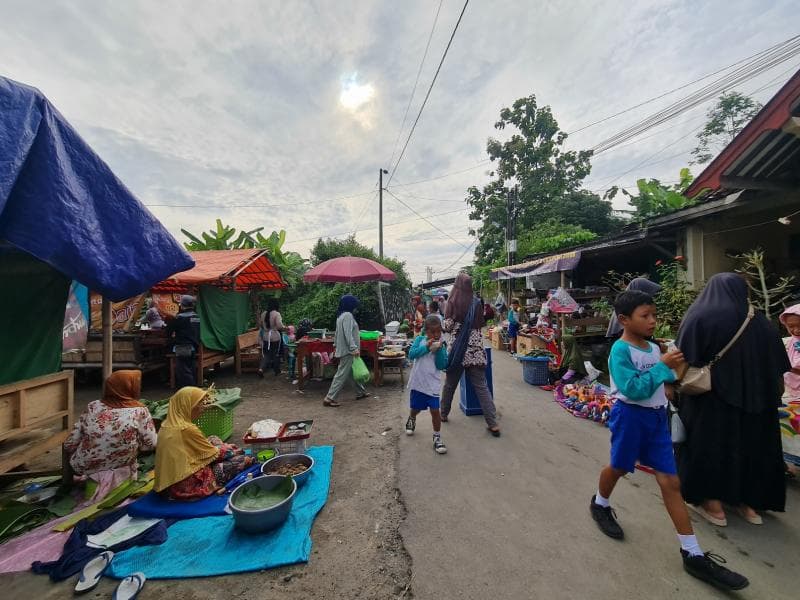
[(348, 269)]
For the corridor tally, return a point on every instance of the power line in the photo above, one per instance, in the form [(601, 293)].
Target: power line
[(472, 168), (452, 264), (428, 94), (431, 223), (681, 87), (289, 205), (367, 206), (740, 75), (416, 81)]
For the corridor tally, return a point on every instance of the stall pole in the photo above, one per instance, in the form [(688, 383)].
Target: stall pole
[(107, 339), (562, 317), (380, 305)]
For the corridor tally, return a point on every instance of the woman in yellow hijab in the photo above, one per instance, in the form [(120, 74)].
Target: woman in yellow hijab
[(189, 466)]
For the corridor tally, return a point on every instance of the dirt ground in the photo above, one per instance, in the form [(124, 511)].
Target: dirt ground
[(357, 550)]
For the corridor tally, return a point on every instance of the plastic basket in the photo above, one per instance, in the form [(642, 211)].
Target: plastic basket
[(535, 369), (215, 421)]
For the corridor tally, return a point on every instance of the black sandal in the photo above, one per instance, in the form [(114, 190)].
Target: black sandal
[(362, 396), (494, 432), (330, 403)]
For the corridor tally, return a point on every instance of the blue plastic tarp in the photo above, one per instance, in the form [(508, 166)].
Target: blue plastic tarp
[(62, 204)]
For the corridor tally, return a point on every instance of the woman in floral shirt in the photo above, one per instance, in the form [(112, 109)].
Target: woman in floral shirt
[(474, 361), (111, 432)]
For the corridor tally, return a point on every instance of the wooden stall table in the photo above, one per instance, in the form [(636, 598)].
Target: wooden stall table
[(393, 362), (307, 346)]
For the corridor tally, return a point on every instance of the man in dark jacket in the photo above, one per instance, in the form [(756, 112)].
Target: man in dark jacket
[(185, 328)]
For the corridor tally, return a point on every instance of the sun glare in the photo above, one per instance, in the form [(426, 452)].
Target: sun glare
[(354, 95)]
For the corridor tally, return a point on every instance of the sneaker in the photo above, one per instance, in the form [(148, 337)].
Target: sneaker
[(606, 520), (411, 424), (438, 445), (708, 567)]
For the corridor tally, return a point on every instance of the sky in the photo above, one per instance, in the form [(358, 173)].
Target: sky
[(281, 114)]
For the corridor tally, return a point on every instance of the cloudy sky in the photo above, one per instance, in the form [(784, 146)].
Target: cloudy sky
[(280, 114)]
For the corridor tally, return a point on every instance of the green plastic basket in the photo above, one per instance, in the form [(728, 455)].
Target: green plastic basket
[(215, 421), (370, 335)]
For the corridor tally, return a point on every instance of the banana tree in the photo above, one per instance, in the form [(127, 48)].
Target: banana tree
[(220, 238)]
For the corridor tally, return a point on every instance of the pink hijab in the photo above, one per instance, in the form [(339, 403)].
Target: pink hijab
[(792, 310)]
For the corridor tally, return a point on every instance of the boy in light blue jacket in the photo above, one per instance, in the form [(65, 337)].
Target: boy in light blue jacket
[(429, 354)]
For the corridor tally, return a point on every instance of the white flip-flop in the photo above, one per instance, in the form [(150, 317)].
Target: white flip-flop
[(93, 571), (129, 587)]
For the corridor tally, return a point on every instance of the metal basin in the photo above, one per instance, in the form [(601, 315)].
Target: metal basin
[(262, 519), (290, 459)]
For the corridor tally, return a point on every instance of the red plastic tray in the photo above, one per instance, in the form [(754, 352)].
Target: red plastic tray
[(282, 432)]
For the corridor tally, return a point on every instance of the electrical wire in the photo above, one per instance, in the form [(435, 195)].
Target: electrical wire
[(429, 222), (740, 75), (289, 205), (452, 264), (472, 168), (428, 94), (789, 216), (684, 86), (416, 81)]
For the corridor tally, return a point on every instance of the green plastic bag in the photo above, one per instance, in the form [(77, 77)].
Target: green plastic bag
[(360, 371)]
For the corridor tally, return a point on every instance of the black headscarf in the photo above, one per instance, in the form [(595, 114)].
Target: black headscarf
[(461, 298), (748, 376), (348, 303), (639, 284)]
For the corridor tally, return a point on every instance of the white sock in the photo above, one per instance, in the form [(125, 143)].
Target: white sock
[(437, 434), (600, 501), (690, 545)]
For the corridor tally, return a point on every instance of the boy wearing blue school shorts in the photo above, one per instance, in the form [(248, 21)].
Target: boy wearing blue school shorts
[(429, 354), (640, 432)]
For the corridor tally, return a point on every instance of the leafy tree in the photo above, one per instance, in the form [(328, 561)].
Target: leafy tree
[(319, 301), (290, 264), (655, 198), (549, 179), (725, 120), (552, 235)]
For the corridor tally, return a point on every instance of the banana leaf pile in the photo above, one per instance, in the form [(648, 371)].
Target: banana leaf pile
[(226, 399)]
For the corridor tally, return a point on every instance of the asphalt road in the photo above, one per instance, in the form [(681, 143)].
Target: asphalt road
[(508, 517)]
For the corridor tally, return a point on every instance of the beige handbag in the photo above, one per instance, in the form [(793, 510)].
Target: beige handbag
[(697, 380)]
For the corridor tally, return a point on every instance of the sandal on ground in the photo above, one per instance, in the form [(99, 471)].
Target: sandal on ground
[(719, 522), (362, 396), (495, 432), (129, 587), (753, 518), (331, 403), (93, 571)]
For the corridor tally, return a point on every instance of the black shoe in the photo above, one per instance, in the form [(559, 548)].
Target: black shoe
[(606, 520), (708, 567)]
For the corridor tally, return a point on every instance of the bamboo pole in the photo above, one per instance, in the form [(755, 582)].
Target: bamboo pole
[(107, 339)]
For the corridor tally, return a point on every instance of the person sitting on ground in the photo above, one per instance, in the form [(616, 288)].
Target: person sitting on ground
[(573, 363), (435, 311), (429, 354), (112, 432), (189, 465), (640, 433), (347, 346)]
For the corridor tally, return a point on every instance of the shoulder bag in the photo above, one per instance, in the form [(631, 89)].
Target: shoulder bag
[(455, 358), (697, 380)]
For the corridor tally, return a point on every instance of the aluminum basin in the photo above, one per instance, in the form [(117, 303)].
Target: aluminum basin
[(290, 459), (262, 519)]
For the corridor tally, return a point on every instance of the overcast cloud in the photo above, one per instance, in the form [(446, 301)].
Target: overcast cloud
[(205, 109)]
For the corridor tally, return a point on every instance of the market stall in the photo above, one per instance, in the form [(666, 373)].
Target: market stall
[(225, 283), (63, 216)]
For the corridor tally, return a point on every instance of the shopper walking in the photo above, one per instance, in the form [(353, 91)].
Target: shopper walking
[(347, 344), (271, 338), (732, 453), (464, 320)]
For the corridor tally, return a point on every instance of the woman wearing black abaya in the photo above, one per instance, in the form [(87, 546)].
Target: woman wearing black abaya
[(639, 284), (732, 453)]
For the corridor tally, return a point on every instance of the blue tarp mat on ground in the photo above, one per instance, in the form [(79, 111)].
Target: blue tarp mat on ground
[(212, 546), (62, 204), (153, 506)]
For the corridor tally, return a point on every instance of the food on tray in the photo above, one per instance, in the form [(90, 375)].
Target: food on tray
[(267, 428), (288, 470)]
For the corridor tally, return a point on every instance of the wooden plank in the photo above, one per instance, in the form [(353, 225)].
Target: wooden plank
[(34, 424), (17, 455)]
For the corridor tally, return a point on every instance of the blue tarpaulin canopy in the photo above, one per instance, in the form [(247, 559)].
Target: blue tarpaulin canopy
[(62, 204)]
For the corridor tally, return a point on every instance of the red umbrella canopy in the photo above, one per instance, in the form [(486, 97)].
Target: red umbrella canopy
[(348, 269)]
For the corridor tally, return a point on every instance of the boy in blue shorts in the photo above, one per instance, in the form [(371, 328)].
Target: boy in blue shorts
[(640, 432), (429, 354)]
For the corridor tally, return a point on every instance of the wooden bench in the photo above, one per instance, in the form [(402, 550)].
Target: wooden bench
[(206, 357), (248, 352)]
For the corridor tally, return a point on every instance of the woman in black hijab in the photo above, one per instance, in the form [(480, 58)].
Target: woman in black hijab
[(640, 284), (732, 453)]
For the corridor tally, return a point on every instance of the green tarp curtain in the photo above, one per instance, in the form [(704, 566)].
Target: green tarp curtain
[(223, 316), (32, 309)]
